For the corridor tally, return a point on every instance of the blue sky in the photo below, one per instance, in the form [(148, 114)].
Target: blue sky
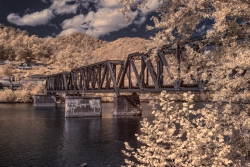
[(96, 18)]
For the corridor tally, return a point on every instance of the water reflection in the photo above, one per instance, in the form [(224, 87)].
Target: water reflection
[(29, 138), (43, 137)]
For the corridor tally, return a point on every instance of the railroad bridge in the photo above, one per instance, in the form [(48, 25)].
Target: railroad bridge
[(137, 74)]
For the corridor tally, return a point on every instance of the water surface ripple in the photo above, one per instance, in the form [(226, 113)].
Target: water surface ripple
[(43, 137)]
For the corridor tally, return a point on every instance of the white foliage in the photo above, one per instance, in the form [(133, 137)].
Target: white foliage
[(181, 136), (219, 133)]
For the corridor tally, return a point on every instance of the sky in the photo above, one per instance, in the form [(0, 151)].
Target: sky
[(97, 18)]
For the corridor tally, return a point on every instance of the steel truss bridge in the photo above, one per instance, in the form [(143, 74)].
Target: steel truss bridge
[(137, 74)]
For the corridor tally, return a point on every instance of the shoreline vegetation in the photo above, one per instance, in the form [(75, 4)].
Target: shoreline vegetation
[(27, 92), (23, 94)]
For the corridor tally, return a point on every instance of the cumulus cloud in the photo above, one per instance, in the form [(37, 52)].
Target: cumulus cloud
[(96, 24), (106, 19), (75, 22), (37, 18), (62, 6), (151, 6), (140, 20), (43, 17), (109, 4), (72, 30), (103, 20)]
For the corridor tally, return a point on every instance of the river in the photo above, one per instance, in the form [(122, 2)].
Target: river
[(43, 137)]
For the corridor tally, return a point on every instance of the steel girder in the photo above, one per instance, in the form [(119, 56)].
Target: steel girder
[(137, 74), (140, 75), (100, 76)]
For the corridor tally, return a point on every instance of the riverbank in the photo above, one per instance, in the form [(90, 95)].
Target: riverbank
[(21, 95), (26, 95)]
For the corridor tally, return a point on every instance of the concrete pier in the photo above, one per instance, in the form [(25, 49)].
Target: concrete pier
[(127, 105), (77, 106), (44, 101)]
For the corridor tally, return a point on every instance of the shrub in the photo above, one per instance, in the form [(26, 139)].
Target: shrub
[(24, 94), (217, 135)]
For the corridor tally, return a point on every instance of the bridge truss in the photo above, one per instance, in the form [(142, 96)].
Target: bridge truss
[(137, 74)]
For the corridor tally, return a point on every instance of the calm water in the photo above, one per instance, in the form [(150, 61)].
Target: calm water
[(43, 137)]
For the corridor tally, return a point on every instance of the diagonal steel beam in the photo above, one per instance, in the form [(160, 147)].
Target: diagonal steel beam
[(112, 76), (136, 73)]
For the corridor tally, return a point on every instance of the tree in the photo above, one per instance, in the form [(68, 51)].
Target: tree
[(225, 23), (181, 136)]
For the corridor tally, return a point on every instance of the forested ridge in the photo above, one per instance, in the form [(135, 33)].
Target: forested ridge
[(58, 54), (63, 52)]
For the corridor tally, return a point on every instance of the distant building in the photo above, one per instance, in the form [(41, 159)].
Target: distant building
[(8, 78), (2, 63), (6, 61), (39, 64), (51, 68), (25, 66), (37, 76)]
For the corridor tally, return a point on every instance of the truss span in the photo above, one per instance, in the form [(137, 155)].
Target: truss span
[(137, 74)]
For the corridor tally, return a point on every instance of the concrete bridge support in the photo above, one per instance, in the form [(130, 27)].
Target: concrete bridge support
[(77, 106), (127, 105), (44, 101)]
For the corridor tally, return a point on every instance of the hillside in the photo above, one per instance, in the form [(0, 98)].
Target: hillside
[(61, 53), (120, 48)]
